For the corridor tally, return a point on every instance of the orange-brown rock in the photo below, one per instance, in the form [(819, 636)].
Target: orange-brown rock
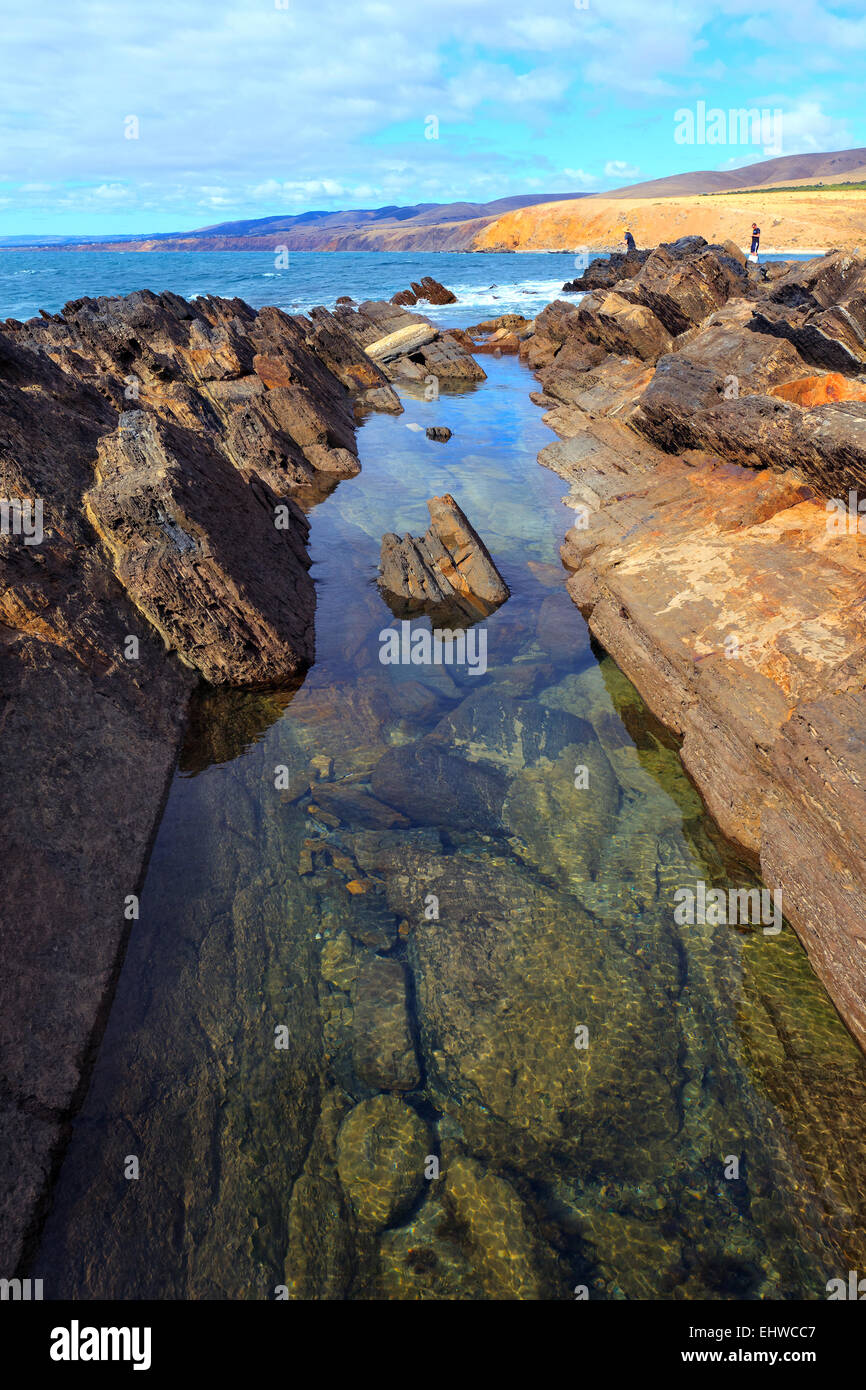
[(820, 390), (704, 561), (449, 568)]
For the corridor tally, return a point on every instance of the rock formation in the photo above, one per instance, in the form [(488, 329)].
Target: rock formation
[(428, 289), (151, 454), (449, 567), (406, 346), (709, 557)]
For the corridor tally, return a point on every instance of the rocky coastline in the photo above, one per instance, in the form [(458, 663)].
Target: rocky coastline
[(156, 459), (715, 462), (706, 414)]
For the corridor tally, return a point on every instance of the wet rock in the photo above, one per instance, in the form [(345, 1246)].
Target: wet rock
[(384, 1050), (320, 1241), (425, 1260), (381, 1149), (427, 289), (502, 978), (437, 788), (511, 733), (340, 962), (439, 433), (507, 1253), (449, 567), (355, 806), (561, 818)]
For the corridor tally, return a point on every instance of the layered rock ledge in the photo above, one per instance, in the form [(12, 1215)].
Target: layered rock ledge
[(713, 560), (717, 557), (448, 569), (154, 454)]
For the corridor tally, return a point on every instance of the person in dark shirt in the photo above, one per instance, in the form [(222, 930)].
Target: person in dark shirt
[(756, 238), (629, 243)]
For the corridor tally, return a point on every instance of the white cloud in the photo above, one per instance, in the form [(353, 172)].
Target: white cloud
[(619, 169)]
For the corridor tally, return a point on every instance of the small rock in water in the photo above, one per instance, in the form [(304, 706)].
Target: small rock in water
[(450, 566), (439, 433)]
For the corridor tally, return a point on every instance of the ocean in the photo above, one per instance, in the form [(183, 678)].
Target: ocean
[(486, 284)]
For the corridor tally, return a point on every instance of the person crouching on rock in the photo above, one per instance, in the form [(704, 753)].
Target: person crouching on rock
[(629, 243), (756, 238)]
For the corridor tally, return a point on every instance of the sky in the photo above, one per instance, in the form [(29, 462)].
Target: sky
[(120, 116)]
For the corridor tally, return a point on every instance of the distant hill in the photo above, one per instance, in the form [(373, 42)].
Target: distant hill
[(789, 169), (530, 220), (423, 226)]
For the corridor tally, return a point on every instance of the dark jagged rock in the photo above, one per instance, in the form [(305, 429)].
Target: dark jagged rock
[(407, 346), (448, 568), (164, 441), (428, 289), (439, 433), (607, 271), (820, 307)]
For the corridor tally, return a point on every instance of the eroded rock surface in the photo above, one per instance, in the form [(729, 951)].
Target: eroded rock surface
[(449, 567), (161, 444), (711, 558)]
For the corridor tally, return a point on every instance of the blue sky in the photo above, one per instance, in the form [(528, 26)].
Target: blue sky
[(259, 107)]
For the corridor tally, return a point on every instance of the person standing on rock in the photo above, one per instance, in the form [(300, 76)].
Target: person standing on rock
[(756, 238), (629, 243)]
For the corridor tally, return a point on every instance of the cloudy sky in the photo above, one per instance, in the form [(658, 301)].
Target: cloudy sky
[(246, 108)]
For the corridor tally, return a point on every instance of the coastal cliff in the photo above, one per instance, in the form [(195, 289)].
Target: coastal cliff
[(717, 552)]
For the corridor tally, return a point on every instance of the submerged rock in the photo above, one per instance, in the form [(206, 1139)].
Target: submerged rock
[(384, 1050), (439, 433), (381, 1151), (449, 567)]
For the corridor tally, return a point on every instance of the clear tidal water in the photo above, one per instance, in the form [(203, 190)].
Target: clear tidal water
[(381, 896)]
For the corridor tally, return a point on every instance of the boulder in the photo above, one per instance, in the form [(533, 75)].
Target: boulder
[(381, 1149), (820, 307), (606, 271), (428, 289), (623, 327), (448, 568), (439, 433), (404, 340), (200, 553)]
